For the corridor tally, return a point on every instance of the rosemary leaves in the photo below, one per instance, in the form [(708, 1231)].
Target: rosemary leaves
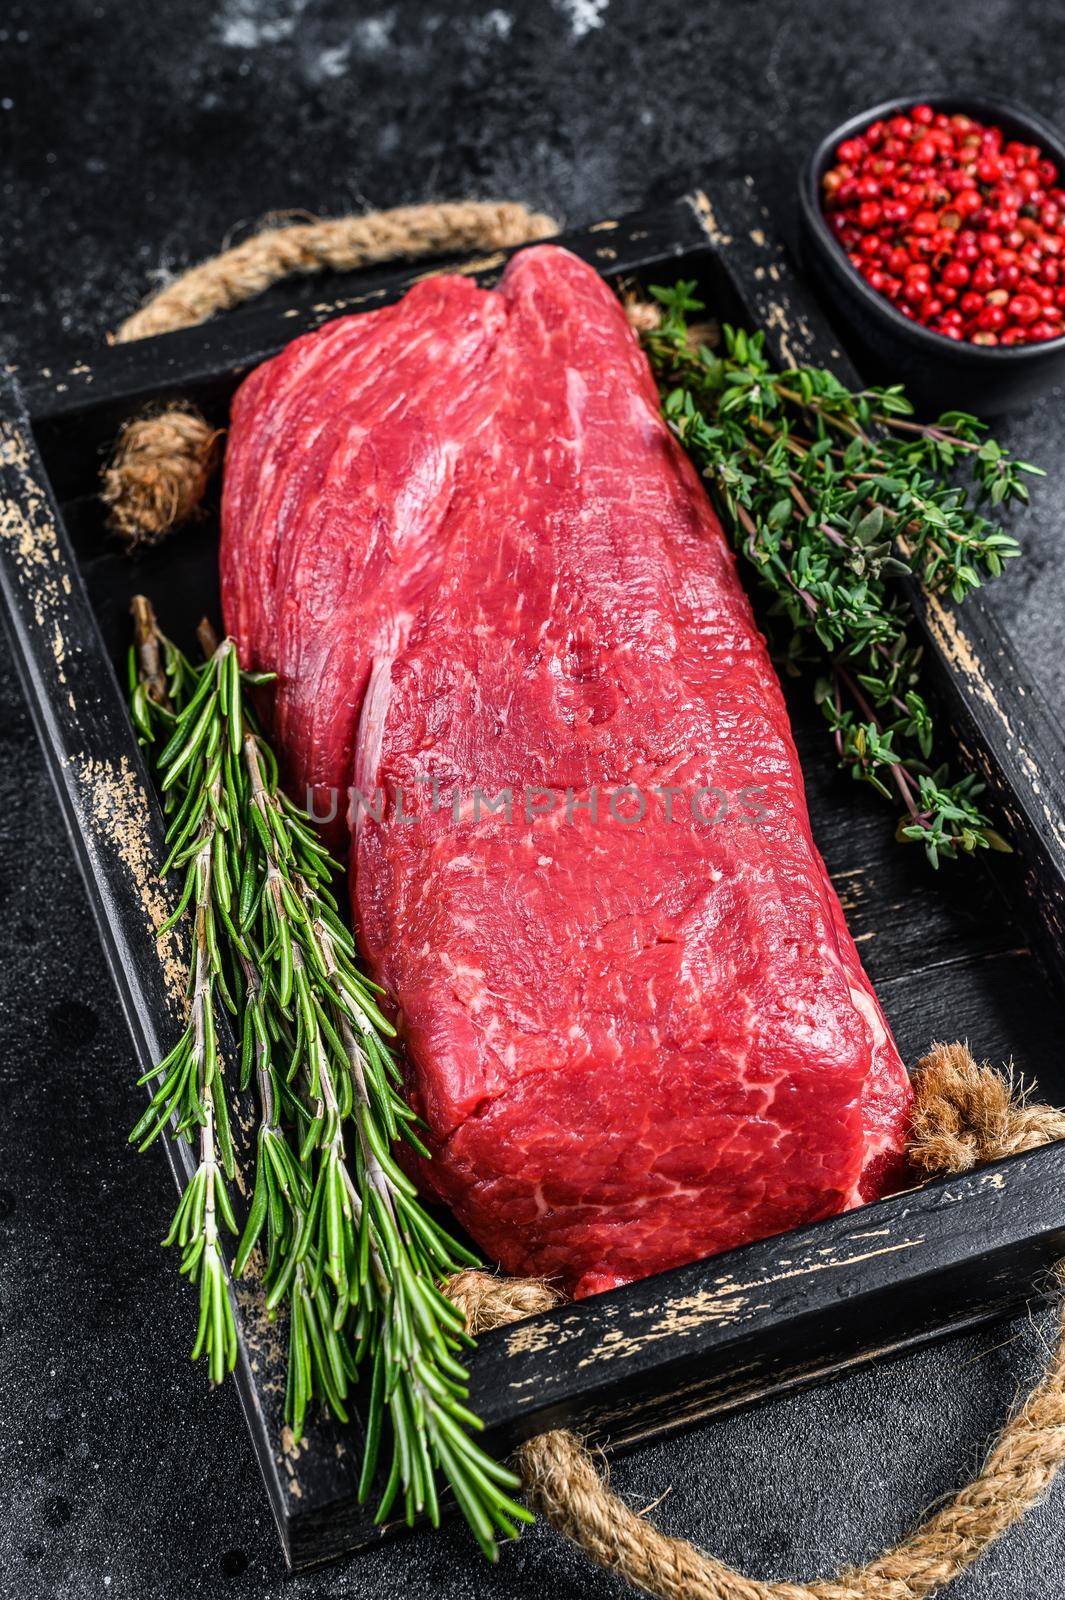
[(830, 495), (335, 1228)]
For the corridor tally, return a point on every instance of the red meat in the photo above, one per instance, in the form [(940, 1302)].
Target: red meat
[(636, 1024)]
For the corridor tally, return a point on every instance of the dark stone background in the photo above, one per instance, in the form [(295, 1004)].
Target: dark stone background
[(134, 137)]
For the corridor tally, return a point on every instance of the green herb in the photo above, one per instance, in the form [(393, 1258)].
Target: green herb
[(831, 495), (335, 1225)]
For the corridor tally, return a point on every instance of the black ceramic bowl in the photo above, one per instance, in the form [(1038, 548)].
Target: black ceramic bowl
[(938, 373)]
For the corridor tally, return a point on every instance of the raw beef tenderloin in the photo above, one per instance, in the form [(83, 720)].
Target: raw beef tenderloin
[(635, 1022)]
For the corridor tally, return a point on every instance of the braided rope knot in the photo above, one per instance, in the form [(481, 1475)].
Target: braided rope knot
[(964, 1114), (158, 473)]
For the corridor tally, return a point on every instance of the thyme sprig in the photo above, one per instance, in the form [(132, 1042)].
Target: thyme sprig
[(335, 1225), (831, 495)]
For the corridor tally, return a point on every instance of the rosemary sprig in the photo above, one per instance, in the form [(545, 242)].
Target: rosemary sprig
[(830, 495), (188, 1091), (344, 1242)]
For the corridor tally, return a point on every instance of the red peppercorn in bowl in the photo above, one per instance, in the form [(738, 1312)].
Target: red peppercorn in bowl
[(938, 226)]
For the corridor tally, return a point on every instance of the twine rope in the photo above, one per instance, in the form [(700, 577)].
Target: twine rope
[(159, 471), (965, 1114), (340, 244)]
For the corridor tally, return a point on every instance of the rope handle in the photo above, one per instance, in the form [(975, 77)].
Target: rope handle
[(163, 459), (339, 244), (964, 1114)]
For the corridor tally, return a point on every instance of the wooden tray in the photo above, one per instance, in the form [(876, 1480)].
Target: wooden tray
[(946, 954)]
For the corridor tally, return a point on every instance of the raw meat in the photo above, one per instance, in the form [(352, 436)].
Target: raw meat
[(459, 531)]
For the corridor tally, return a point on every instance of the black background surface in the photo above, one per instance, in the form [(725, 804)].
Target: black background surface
[(135, 137)]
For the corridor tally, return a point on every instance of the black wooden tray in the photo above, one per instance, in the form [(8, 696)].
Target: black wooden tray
[(948, 955)]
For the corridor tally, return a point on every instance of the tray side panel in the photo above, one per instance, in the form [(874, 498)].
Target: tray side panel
[(116, 830)]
